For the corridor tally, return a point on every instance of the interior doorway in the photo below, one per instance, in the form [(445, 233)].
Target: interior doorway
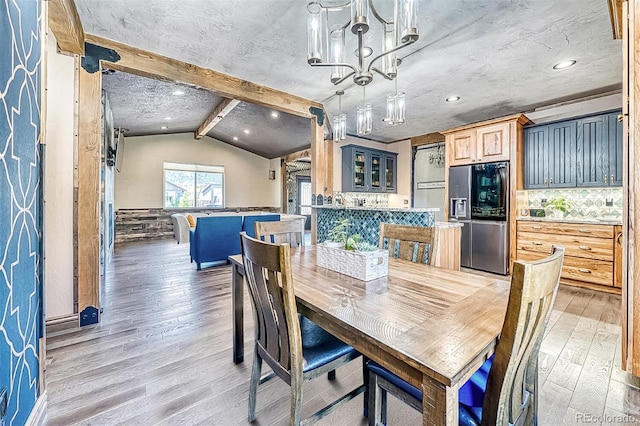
[(304, 199)]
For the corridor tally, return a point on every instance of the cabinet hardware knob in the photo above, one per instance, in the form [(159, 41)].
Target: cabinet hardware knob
[(536, 243), (583, 270), (611, 180), (546, 182), (537, 227), (550, 181), (584, 248), (584, 231), (605, 179)]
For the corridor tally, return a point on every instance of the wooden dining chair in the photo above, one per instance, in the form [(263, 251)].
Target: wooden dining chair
[(285, 231), (504, 391), (295, 348), (414, 243)]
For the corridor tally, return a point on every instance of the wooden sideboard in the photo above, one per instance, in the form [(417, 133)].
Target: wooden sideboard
[(593, 252)]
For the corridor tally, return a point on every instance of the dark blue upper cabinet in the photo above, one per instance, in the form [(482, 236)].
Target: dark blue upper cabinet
[(562, 154), (536, 157), (615, 149), (584, 152), (368, 170), (593, 151)]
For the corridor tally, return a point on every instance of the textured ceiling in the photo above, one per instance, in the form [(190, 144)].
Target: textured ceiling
[(496, 55), (143, 106)]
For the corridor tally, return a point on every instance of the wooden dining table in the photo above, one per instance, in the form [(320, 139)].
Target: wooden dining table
[(432, 327)]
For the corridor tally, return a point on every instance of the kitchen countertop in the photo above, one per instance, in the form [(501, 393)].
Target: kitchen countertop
[(384, 209), (444, 225), (585, 220)]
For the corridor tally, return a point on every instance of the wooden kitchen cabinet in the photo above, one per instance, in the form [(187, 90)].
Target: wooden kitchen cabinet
[(483, 144), (591, 258)]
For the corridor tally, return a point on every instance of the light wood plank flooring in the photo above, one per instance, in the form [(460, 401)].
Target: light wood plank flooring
[(162, 355)]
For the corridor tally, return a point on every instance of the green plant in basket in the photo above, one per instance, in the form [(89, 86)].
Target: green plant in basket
[(364, 246), (352, 241), (338, 234)]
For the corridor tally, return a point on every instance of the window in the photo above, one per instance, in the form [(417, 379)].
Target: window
[(193, 185)]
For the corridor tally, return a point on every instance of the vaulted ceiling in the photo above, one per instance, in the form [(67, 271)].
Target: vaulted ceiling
[(496, 55)]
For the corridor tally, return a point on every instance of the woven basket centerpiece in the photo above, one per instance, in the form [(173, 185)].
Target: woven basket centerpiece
[(363, 265)]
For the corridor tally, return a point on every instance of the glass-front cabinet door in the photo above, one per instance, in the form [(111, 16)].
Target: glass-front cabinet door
[(359, 169), (376, 166), (390, 173)]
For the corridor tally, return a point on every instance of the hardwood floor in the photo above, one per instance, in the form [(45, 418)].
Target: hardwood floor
[(162, 355)]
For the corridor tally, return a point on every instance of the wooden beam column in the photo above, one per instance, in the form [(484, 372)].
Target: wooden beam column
[(88, 213), (65, 23), (631, 189), (321, 170)]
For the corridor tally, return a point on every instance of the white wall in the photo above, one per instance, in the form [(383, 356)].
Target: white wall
[(140, 182), (58, 183), (402, 148)]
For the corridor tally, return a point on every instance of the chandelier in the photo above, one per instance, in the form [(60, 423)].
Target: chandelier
[(327, 47), (436, 156)]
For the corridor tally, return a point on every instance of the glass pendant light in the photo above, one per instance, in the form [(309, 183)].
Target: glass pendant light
[(396, 107), (314, 33), (365, 116), (337, 53), (388, 43), (340, 121), (359, 16), (408, 20)]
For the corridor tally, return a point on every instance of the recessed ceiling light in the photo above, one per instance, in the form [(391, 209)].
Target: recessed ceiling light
[(247, 131), (453, 99), (163, 128), (564, 64), (178, 92), (274, 114), (367, 52), (235, 138), (167, 118)]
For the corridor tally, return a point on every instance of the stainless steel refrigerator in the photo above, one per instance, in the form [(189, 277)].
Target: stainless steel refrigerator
[(478, 198)]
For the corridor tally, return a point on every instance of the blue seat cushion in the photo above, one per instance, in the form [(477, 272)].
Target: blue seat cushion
[(318, 346), (392, 378), (470, 395)]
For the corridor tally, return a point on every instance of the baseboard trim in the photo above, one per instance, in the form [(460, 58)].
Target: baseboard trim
[(36, 418), (58, 320), (61, 323)]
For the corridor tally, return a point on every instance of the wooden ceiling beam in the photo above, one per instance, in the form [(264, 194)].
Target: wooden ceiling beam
[(65, 23), (294, 156), (219, 112), (615, 14), (429, 138), (148, 64)]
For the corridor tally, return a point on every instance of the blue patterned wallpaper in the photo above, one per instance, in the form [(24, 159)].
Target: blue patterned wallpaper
[(367, 222), (20, 205)]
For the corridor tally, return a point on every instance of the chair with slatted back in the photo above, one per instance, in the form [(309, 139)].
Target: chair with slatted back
[(294, 347), (285, 231), (414, 243), (504, 391)]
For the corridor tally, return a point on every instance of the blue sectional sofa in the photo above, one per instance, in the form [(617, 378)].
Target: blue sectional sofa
[(250, 220), (215, 238)]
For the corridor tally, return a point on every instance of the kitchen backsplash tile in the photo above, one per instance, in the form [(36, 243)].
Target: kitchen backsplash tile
[(586, 202), (366, 199)]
